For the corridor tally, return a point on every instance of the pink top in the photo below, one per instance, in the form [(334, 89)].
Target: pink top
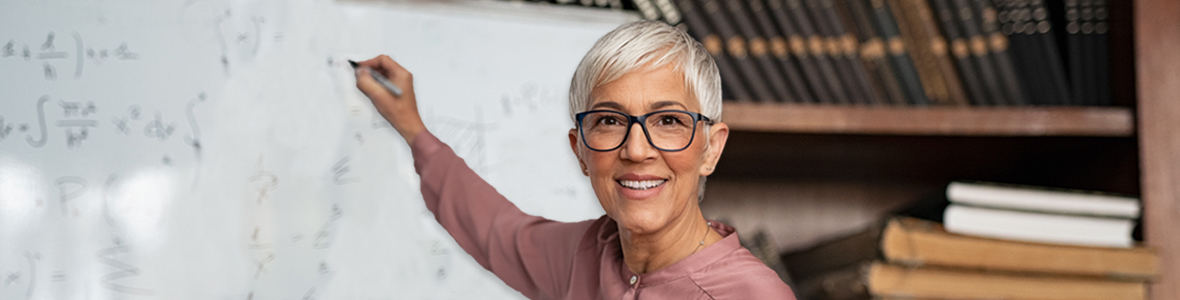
[(545, 259)]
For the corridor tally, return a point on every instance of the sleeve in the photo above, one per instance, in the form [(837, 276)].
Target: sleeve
[(531, 254)]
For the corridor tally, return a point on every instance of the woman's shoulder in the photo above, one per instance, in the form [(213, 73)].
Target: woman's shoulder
[(740, 275)]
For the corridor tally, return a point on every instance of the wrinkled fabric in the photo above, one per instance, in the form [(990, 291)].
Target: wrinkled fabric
[(545, 259)]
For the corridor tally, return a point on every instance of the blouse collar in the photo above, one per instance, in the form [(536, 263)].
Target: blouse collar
[(608, 237)]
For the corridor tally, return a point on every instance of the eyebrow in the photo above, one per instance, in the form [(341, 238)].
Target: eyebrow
[(666, 103), (608, 104), (654, 106)]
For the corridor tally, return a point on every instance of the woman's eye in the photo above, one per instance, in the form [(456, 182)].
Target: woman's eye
[(669, 121), (608, 121)]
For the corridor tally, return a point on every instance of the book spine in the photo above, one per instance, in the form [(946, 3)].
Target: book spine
[(1039, 227), (798, 49), (902, 64), (814, 44), (1043, 199), (669, 11), (1077, 70), (979, 51), (699, 28), (846, 47), (1014, 19), (976, 93), (896, 282), (872, 51), (922, 48), (998, 44), (780, 51), (647, 9), (1042, 29), (872, 75), (735, 46), (1101, 54), (831, 47), (759, 50)]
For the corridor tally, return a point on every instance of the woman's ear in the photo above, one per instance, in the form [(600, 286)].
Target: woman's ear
[(718, 134), (578, 154)]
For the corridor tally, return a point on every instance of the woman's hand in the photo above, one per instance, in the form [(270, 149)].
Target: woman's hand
[(401, 112)]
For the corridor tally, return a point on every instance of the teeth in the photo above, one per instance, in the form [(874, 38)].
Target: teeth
[(641, 184)]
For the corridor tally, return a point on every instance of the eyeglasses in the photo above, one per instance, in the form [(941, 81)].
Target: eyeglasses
[(667, 130)]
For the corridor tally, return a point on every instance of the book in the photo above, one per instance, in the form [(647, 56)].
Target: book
[(977, 94), (917, 243), (1025, 53), (1042, 199), (797, 45), (648, 9), (735, 47), (668, 10), (780, 51), (1077, 63), (759, 50), (813, 42), (872, 50), (731, 80), (900, 59), (979, 52), (1101, 55), (884, 281), (851, 46), (842, 47), (921, 35), (1045, 50), (1039, 227), (997, 43)]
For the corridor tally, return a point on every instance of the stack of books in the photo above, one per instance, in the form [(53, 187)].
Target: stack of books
[(1035, 214), (999, 242)]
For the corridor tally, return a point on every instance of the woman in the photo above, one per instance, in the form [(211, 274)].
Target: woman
[(646, 106)]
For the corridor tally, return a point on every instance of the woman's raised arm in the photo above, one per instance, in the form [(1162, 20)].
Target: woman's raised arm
[(531, 254)]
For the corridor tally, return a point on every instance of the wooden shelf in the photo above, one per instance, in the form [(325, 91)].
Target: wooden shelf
[(933, 120)]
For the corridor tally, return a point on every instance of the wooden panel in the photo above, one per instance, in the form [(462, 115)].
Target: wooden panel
[(1093, 163), (799, 213), (1157, 47), (934, 120)]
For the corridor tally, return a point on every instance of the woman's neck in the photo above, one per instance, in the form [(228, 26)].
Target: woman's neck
[(646, 253)]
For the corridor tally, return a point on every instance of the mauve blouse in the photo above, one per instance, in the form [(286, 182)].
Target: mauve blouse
[(545, 259)]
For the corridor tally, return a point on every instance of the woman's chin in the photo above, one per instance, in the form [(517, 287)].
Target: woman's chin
[(639, 221)]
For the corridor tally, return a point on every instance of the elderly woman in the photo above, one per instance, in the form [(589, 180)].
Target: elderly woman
[(646, 106)]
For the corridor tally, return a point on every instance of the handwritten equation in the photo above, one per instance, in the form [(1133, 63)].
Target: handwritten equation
[(50, 55), (76, 120)]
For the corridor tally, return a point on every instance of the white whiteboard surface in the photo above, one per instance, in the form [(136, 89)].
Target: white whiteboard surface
[(219, 149)]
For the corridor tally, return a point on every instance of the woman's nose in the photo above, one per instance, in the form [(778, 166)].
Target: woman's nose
[(637, 148)]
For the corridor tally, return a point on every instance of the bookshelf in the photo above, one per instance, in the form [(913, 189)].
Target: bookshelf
[(804, 172), (932, 120)]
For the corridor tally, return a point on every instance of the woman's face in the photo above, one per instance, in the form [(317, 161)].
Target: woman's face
[(623, 178)]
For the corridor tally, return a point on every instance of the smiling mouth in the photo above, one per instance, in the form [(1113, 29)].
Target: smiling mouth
[(641, 184)]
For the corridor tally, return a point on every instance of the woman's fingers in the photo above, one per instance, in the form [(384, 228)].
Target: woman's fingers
[(374, 90), (386, 66)]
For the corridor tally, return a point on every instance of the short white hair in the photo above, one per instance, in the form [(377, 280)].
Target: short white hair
[(647, 43)]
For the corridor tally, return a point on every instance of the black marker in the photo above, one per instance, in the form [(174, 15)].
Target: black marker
[(380, 79)]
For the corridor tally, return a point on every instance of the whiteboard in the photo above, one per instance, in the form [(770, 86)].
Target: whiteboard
[(219, 149)]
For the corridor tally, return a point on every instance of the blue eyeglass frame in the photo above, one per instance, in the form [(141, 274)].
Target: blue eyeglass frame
[(642, 121)]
